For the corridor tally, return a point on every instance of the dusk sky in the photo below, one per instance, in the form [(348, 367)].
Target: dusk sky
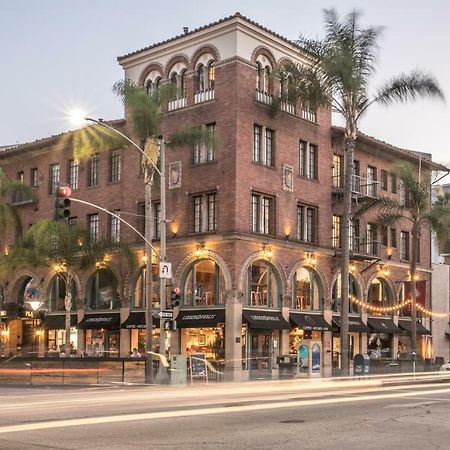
[(58, 55)]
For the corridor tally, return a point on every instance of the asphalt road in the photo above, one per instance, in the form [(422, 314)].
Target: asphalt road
[(261, 415)]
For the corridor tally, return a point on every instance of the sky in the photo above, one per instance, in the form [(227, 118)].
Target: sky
[(59, 55)]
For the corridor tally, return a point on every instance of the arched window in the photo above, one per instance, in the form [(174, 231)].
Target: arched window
[(259, 77), (266, 81), (204, 284), (200, 78), (29, 291), (211, 75), (263, 285), (102, 291), (152, 86), (380, 295), (57, 293), (182, 87), (138, 299), (354, 291), (307, 291)]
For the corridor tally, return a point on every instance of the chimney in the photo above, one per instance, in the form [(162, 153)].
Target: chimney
[(185, 30)]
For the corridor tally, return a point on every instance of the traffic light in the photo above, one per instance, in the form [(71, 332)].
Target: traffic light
[(175, 296), (62, 202)]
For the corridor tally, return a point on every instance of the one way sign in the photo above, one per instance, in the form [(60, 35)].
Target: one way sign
[(165, 270)]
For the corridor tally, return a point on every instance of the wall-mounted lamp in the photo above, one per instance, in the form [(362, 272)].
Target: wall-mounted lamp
[(174, 234), (310, 259), (389, 253), (383, 270), (352, 267), (200, 251), (4, 333), (286, 236)]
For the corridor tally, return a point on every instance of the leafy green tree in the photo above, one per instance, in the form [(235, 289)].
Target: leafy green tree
[(416, 209), (337, 74), (64, 249)]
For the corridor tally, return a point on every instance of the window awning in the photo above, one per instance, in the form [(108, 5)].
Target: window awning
[(265, 320), (355, 324), (406, 325), (136, 320), (58, 321), (314, 322), (199, 318), (99, 320), (383, 325)]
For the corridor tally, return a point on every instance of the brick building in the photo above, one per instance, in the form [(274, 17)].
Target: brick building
[(254, 225)]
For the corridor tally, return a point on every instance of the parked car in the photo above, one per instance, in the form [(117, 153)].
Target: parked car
[(445, 367)]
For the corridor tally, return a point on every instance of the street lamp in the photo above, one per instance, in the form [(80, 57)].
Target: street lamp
[(35, 306), (149, 168)]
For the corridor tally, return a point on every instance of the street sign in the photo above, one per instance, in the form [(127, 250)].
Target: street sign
[(165, 270), (165, 314)]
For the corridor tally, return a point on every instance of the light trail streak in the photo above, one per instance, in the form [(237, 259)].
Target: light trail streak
[(206, 411)]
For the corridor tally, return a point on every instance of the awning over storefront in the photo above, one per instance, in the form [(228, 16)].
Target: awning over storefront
[(99, 320), (406, 325), (199, 318), (314, 322), (136, 320), (265, 320), (355, 324), (58, 322), (379, 325)]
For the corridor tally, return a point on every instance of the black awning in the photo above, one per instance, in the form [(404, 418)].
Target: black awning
[(355, 324), (314, 322), (406, 325), (265, 320), (198, 318), (383, 325), (58, 321), (136, 320), (99, 320)]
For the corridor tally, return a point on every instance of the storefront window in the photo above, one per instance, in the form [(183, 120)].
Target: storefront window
[(57, 341), (102, 343), (102, 291), (307, 290), (57, 293), (204, 284), (138, 300), (262, 284), (354, 292), (379, 345), (380, 295), (209, 341)]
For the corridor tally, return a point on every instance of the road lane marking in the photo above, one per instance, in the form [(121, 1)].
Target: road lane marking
[(411, 405), (201, 411)]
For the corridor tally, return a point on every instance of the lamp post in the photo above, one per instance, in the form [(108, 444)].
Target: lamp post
[(150, 168), (35, 305)]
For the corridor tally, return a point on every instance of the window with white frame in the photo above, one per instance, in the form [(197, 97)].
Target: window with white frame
[(263, 145), (204, 151), (404, 245), (114, 230), (337, 171), (306, 223), (336, 231), (262, 214), (204, 212), (93, 225), (74, 171), (54, 173), (115, 165), (307, 159), (93, 170), (34, 178)]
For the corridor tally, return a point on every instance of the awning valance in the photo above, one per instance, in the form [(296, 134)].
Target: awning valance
[(58, 321), (405, 324), (314, 322), (355, 324), (99, 320), (265, 320), (379, 325), (199, 318)]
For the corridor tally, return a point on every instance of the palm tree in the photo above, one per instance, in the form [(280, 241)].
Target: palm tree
[(64, 249), (414, 207), (337, 74), (145, 113)]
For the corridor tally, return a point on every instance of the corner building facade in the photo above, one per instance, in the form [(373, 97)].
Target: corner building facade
[(254, 222)]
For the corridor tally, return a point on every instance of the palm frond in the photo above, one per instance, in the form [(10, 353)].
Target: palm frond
[(381, 205)]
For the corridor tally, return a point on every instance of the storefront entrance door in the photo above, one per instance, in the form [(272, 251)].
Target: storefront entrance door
[(260, 358), (112, 343)]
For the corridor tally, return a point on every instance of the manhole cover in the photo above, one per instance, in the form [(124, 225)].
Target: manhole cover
[(293, 421)]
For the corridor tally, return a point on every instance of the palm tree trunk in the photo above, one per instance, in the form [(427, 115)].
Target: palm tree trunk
[(68, 307), (349, 147), (413, 268)]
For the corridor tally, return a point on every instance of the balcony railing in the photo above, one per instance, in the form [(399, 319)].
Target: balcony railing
[(287, 107), (361, 187), (365, 247), (307, 114), (204, 96), (177, 103), (263, 97)]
